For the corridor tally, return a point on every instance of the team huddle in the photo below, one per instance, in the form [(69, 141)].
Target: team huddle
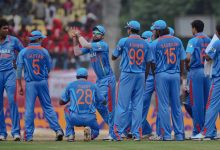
[(156, 62)]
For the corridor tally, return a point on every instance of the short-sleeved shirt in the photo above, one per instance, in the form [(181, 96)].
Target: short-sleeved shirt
[(8, 50), (82, 95), (135, 53), (99, 58), (196, 47), (168, 51), (214, 54), (36, 62)]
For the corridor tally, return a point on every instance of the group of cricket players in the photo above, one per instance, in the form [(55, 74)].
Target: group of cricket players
[(154, 61)]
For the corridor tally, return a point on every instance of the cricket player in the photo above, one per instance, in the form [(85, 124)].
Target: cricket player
[(9, 46), (135, 54), (36, 62), (213, 104), (149, 89), (169, 55), (171, 31), (98, 50), (82, 96), (199, 84)]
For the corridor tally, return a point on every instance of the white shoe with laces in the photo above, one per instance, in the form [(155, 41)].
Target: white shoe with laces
[(87, 134), (108, 138), (198, 137), (2, 138), (17, 137)]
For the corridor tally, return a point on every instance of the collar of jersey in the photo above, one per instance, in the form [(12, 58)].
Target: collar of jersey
[(34, 44), (199, 34)]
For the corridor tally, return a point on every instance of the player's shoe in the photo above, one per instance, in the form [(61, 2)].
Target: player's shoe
[(136, 139), (87, 134), (28, 140), (17, 137), (198, 137), (71, 138), (147, 136), (217, 137), (108, 138), (2, 138), (59, 135), (155, 138)]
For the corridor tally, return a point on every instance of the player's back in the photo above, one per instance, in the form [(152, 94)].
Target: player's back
[(36, 61), (134, 55), (200, 42), (83, 95), (167, 52)]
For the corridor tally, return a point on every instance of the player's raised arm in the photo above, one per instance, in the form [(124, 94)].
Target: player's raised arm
[(76, 48)]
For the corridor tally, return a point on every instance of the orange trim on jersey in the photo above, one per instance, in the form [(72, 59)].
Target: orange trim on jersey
[(156, 97), (210, 96), (15, 94), (116, 132), (191, 93), (109, 99), (205, 130), (34, 47), (140, 132), (165, 37), (135, 37), (198, 127), (117, 91), (200, 37)]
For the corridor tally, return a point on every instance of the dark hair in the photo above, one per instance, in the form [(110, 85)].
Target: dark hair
[(163, 32), (3, 22), (198, 25), (134, 31), (80, 77), (218, 28)]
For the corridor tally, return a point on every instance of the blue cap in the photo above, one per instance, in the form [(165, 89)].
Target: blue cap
[(133, 24), (100, 28), (171, 31), (159, 25), (147, 34), (82, 72), (36, 34)]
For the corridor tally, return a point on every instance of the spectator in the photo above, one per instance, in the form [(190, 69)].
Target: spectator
[(68, 7)]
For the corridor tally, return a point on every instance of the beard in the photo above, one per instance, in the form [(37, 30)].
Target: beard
[(96, 40)]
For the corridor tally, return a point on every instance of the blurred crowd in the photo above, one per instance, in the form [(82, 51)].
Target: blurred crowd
[(53, 18)]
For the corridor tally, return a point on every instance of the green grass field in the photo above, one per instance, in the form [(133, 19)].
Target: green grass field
[(99, 145)]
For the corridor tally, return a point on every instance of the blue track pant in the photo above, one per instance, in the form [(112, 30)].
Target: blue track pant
[(38, 89), (8, 82), (130, 89), (199, 90), (75, 119), (107, 88), (168, 92)]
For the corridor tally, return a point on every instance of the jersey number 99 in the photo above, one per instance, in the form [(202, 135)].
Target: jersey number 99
[(136, 57)]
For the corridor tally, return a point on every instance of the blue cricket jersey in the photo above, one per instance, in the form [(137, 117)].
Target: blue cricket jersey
[(8, 52), (168, 51), (36, 62), (82, 95), (214, 54), (196, 47), (99, 58), (135, 53)]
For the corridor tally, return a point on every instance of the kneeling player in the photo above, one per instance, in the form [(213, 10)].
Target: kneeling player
[(82, 96)]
